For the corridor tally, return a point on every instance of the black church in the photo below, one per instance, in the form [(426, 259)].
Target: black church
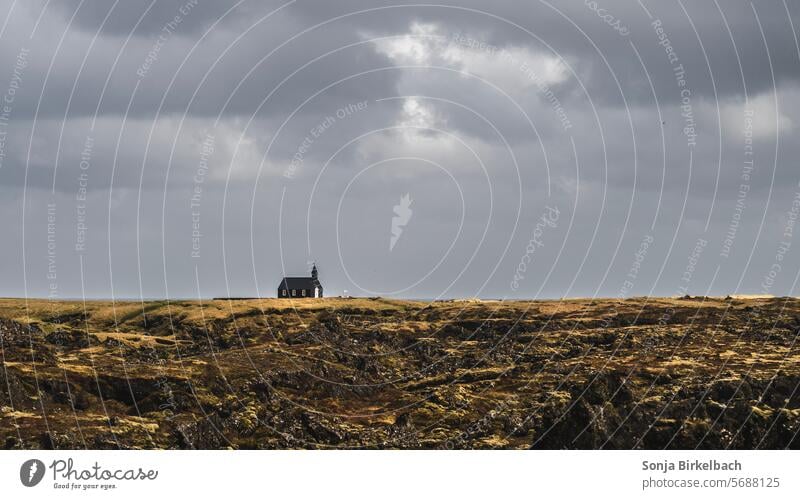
[(301, 287)]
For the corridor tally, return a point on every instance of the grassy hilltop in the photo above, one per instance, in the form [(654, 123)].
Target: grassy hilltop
[(376, 373)]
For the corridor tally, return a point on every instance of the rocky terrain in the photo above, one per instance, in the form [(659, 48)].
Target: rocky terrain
[(374, 373)]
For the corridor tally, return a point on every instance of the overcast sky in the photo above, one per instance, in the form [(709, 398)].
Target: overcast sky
[(505, 149)]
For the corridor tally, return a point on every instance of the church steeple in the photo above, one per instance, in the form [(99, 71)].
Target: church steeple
[(314, 274)]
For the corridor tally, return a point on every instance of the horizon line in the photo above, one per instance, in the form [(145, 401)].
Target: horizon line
[(376, 297)]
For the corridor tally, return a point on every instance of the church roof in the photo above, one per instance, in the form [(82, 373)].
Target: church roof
[(299, 283)]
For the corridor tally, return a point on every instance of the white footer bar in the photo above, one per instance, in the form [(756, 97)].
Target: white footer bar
[(390, 474)]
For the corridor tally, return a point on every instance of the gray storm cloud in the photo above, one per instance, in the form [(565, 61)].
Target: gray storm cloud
[(187, 148)]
